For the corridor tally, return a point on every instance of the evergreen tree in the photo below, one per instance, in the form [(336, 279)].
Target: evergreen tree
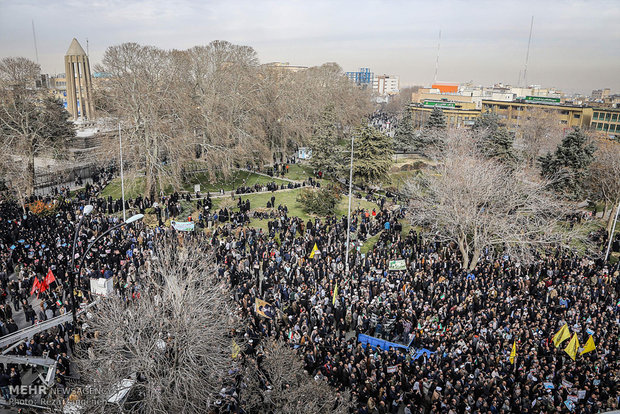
[(404, 136), (431, 139), (487, 122), (494, 141), (436, 120), (568, 165), (372, 155), (499, 145), (324, 142)]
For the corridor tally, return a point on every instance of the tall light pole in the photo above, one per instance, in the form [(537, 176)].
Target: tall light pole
[(611, 234), (349, 210), (120, 146), (87, 210)]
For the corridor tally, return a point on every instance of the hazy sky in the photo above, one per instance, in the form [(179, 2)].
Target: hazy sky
[(575, 44)]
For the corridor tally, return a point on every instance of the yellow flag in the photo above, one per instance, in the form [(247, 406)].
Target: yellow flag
[(562, 335), (235, 349), (335, 293), (314, 250), (571, 348), (589, 346), (513, 353)]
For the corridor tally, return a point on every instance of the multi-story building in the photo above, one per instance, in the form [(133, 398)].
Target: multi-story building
[(386, 84), (607, 121), (512, 113), (601, 93), (457, 114), (363, 77), (285, 66)]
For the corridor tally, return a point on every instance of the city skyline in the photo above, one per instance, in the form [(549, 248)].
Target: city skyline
[(574, 45)]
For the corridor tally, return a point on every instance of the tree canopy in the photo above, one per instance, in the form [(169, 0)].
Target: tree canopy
[(32, 125), (436, 119), (479, 203), (404, 136), (324, 142), (568, 166), (372, 155)]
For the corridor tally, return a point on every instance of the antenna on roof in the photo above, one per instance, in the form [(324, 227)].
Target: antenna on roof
[(34, 37), (437, 60), (527, 55)]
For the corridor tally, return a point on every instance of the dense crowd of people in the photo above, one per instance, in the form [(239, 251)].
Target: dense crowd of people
[(455, 329), (466, 322)]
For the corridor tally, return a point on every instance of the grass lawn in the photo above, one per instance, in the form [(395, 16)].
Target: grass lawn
[(289, 198), (370, 243), (134, 186), (237, 179), (398, 179), (299, 172)]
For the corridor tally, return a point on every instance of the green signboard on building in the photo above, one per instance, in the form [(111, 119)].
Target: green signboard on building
[(440, 104), (542, 99)]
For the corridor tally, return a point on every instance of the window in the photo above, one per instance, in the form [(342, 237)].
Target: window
[(607, 116), (563, 122), (576, 116), (503, 107), (599, 126), (564, 112), (614, 117), (595, 116)]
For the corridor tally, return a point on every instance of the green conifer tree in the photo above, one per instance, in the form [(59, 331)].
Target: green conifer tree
[(436, 120), (404, 136), (372, 155), (568, 165), (324, 142)]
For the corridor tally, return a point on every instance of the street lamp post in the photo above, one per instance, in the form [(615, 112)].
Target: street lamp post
[(130, 220), (611, 234), (349, 210), (87, 210)]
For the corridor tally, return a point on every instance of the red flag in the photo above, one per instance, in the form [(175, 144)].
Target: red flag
[(35, 285), (49, 278), (43, 286)]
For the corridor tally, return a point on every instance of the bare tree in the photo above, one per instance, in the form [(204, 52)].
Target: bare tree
[(215, 105), (145, 96), (604, 177), (174, 337), (478, 203), (280, 384), (18, 72), (539, 132), (31, 124), (224, 88)]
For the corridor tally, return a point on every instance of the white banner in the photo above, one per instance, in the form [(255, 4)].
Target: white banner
[(183, 225), (397, 265)]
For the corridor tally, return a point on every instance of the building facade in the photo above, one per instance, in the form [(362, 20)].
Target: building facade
[(457, 114), (606, 121), (386, 84), (512, 113), (363, 77)]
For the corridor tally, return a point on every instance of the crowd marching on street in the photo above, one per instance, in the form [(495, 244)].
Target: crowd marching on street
[(498, 339)]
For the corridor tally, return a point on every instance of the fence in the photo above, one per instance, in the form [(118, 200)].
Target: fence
[(54, 178)]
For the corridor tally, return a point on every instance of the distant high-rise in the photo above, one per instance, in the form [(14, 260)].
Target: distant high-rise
[(79, 83)]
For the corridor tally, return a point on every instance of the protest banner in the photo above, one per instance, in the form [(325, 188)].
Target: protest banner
[(397, 265)]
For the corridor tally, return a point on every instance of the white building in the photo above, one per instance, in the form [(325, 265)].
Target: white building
[(386, 84)]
